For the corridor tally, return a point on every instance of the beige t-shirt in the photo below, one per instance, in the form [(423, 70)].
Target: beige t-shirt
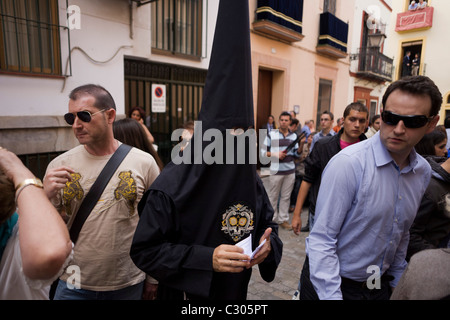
[(101, 253)]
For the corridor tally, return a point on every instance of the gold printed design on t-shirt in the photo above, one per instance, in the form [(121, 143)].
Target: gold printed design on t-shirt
[(127, 189), (71, 191)]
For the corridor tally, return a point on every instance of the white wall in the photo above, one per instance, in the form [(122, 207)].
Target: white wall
[(105, 29)]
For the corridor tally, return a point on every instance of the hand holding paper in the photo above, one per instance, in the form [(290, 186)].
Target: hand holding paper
[(246, 244), (261, 252)]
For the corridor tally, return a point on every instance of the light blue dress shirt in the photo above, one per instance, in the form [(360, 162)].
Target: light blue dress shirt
[(319, 136), (364, 210)]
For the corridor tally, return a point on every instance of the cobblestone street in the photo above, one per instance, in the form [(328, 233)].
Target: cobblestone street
[(288, 272)]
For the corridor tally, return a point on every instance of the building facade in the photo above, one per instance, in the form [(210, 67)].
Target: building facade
[(47, 48), (371, 69), (301, 57), (423, 32), (307, 56)]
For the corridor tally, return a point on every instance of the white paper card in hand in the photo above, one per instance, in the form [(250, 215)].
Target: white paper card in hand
[(246, 244)]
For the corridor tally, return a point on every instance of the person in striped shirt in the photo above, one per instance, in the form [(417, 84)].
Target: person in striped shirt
[(282, 168)]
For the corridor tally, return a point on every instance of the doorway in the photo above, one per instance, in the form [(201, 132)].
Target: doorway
[(415, 47), (264, 106)]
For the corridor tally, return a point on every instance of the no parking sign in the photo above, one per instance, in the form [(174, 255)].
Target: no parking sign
[(158, 98)]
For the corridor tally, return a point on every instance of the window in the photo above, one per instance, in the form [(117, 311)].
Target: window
[(373, 108), (324, 99), (29, 36), (177, 26)]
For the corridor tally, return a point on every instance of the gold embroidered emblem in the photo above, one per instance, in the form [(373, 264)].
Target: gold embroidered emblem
[(72, 190), (127, 190), (237, 221)]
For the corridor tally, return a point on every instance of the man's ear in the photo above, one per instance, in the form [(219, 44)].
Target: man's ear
[(432, 124), (111, 114)]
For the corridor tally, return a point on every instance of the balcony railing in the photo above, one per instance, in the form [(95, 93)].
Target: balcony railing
[(372, 64), (280, 19), (415, 20), (333, 36)]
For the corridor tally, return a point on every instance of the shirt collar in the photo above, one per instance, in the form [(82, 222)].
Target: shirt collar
[(383, 157)]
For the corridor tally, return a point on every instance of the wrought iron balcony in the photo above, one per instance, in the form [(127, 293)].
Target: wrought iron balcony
[(371, 64), (333, 36), (280, 19)]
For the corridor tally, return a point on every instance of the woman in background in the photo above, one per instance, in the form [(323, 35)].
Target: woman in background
[(130, 132), (138, 114)]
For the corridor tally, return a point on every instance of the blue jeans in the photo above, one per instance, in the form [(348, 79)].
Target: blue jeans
[(129, 293)]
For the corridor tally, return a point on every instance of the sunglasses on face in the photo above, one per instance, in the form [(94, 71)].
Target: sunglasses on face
[(84, 116), (413, 122)]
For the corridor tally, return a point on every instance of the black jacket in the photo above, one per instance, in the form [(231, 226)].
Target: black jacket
[(324, 149), (431, 226)]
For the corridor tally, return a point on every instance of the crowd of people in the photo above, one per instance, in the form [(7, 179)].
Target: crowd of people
[(352, 222), (110, 221)]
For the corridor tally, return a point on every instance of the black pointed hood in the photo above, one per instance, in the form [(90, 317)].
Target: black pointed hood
[(228, 98), (202, 192)]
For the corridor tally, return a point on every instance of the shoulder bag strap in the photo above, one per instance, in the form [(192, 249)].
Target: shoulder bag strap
[(96, 190)]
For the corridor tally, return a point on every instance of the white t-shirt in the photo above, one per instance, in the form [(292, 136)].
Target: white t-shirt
[(102, 249)]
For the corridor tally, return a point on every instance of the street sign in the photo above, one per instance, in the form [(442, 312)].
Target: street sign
[(158, 98)]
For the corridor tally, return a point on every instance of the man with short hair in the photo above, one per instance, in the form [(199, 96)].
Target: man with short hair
[(282, 168), (368, 199), (326, 125), (406, 65), (102, 249), (355, 117)]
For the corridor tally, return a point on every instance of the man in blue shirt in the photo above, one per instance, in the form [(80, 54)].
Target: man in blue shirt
[(326, 124), (368, 198)]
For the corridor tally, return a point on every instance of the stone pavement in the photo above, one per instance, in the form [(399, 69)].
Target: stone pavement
[(288, 273)]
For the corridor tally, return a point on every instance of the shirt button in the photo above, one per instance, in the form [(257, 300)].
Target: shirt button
[(400, 197)]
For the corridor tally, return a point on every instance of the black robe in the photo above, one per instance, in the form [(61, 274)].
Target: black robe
[(180, 226)]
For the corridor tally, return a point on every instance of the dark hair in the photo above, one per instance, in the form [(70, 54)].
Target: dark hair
[(357, 106), (285, 114), (447, 122), (375, 118), (141, 112), (7, 198), (294, 121), (442, 128), (417, 85), (274, 124), (131, 132), (328, 112), (426, 146), (103, 99)]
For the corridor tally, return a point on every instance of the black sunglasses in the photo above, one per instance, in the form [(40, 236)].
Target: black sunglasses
[(414, 122), (84, 116)]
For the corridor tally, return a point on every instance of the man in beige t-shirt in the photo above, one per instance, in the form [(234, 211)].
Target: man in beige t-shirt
[(101, 267)]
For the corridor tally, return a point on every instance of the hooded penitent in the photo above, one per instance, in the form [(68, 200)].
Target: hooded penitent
[(195, 206)]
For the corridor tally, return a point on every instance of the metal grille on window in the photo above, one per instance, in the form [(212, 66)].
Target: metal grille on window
[(30, 36), (177, 26)]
